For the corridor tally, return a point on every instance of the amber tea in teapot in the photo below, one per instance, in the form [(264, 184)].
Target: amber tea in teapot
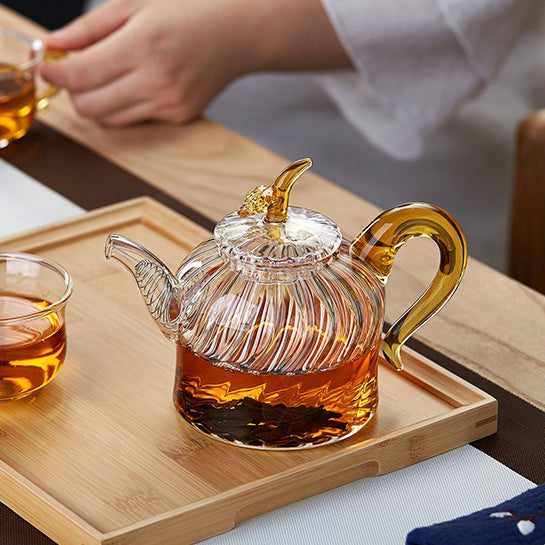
[(276, 409), (278, 318)]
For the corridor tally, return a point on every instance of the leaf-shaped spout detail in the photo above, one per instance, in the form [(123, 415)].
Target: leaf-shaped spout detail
[(159, 287)]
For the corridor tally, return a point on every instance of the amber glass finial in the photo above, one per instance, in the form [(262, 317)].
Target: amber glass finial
[(274, 199)]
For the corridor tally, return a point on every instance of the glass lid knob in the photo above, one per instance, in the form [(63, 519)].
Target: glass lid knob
[(268, 235)]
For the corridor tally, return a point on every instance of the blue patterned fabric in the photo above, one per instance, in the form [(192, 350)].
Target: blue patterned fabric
[(520, 520)]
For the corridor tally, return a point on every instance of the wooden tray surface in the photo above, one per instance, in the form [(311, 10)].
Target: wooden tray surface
[(100, 455)]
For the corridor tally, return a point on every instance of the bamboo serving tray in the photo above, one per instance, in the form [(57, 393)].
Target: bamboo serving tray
[(100, 455)]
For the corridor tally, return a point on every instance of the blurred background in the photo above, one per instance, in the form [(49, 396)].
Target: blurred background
[(467, 165)]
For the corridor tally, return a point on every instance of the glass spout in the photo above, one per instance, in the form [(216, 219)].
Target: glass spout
[(160, 289)]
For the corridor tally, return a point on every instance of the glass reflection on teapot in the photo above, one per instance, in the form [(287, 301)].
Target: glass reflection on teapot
[(278, 318)]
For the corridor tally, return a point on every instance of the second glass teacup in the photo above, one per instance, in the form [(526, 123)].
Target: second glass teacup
[(34, 292)]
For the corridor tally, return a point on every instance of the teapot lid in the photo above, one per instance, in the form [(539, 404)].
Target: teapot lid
[(271, 241)]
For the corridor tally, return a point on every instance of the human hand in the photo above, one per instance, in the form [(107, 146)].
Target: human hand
[(149, 59), (137, 60)]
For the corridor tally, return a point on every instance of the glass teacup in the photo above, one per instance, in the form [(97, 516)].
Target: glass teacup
[(19, 101), (33, 296)]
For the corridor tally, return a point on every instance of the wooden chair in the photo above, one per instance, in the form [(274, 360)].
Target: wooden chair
[(527, 244)]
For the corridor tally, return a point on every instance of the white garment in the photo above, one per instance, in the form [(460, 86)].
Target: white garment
[(416, 61), (466, 165)]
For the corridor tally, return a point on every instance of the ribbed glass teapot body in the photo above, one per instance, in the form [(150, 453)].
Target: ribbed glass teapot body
[(320, 320), (279, 364)]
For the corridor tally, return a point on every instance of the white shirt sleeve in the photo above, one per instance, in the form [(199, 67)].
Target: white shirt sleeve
[(416, 61)]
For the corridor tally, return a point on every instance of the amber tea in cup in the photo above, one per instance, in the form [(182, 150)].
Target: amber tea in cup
[(19, 102), (33, 296)]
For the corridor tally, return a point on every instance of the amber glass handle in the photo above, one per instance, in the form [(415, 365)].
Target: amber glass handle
[(43, 100), (377, 246)]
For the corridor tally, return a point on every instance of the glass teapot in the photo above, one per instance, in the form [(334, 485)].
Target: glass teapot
[(278, 318)]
